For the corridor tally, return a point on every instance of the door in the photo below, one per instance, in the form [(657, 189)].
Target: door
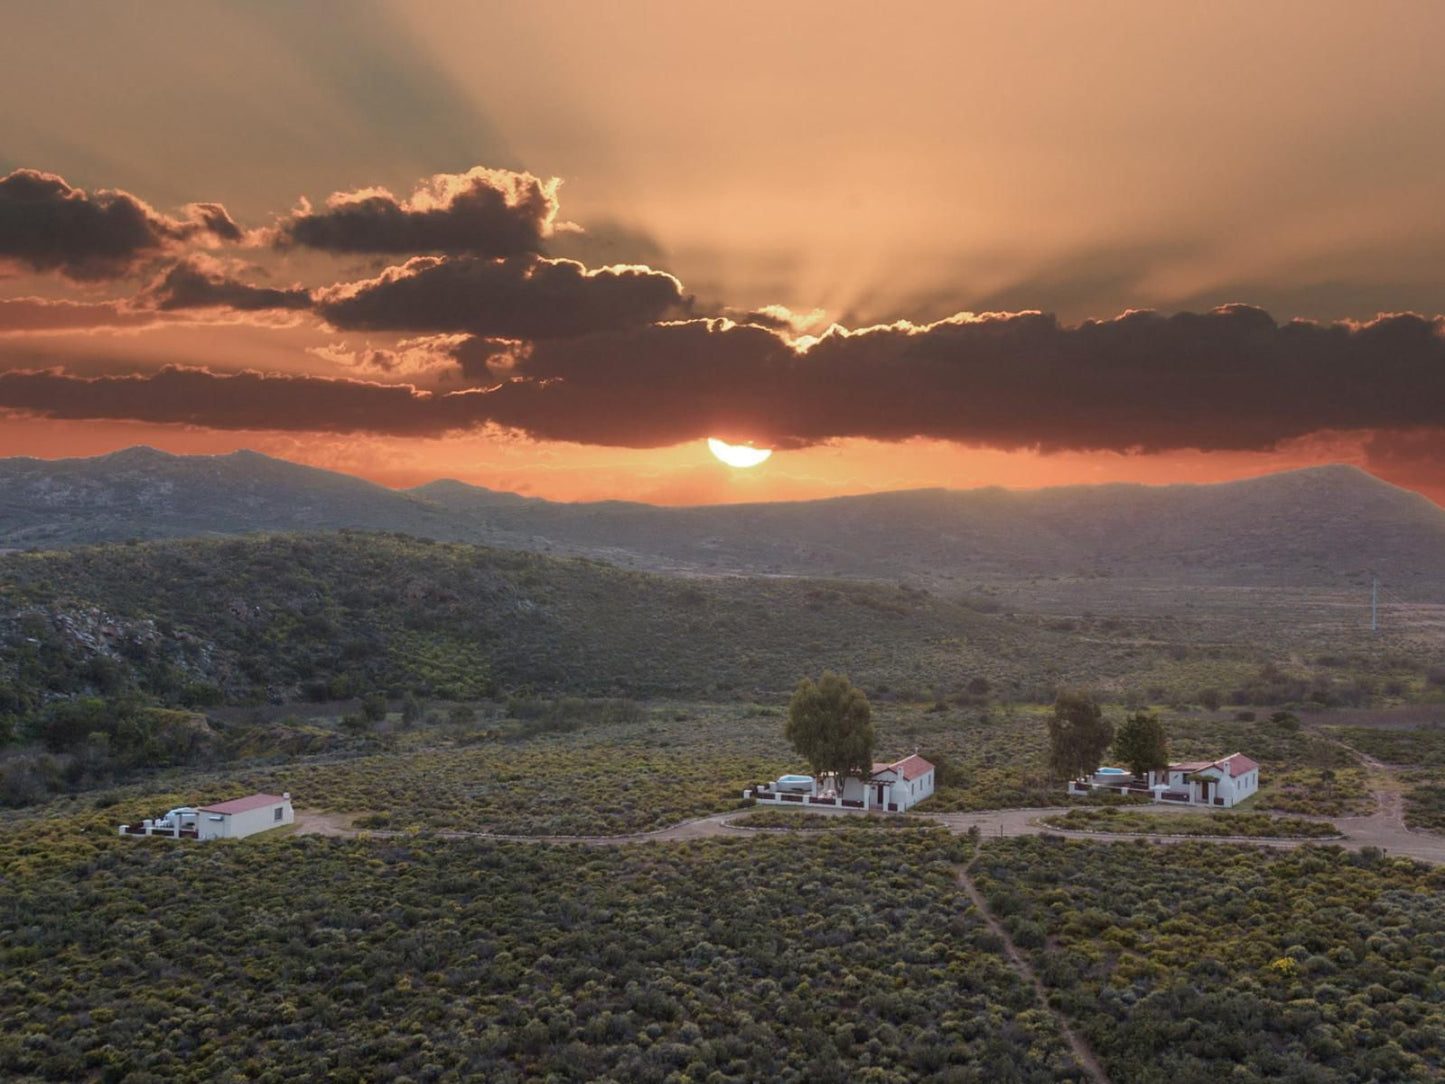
[(1204, 791), (880, 795)]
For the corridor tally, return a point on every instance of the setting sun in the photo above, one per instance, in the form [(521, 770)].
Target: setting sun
[(737, 455)]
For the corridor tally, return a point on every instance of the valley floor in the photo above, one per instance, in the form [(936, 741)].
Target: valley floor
[(573, 891)]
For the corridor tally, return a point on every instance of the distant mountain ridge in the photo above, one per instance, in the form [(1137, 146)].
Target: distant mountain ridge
[(1317, 526)]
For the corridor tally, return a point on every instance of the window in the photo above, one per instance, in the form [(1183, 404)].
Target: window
[(279, 812)]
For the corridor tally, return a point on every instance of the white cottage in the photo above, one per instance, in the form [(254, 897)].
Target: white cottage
[(1224, 782), (894, 787), (889, 787), (244, 816)]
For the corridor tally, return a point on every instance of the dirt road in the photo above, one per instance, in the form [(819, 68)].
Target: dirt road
[(1383, 829)]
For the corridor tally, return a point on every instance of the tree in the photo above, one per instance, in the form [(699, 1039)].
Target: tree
[(1078, 736), (373, 706), (1141, 745), (1285, 720), (831, 726), (412, 710), (355, 724)]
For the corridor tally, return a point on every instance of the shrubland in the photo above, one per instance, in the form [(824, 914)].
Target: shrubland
[(790, 820), (583, 766), (1136, 822), (1417, 753), (1196, 961), (840, 957), (205, 623)]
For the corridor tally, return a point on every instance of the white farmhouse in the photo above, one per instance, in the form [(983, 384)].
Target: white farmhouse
[(890, 788), (893, 787), (1222, 782), (244, 816)]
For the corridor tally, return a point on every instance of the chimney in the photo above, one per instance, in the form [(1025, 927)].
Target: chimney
[(286, 795)]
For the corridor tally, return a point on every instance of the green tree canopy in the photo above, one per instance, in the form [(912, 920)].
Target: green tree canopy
[(831, 726), (1078, 736), (1141, 744)]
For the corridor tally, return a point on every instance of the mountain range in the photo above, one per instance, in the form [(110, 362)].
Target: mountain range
[(1331, 526)]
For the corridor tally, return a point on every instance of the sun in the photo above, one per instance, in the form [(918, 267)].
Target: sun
[(737, 455)]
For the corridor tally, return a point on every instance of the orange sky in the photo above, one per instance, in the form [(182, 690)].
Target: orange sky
[(862, 166)]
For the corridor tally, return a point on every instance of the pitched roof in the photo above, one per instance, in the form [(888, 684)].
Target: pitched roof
[(1238, 764), (241, 805), (1192, 765), (911, 767), (1235, 765)]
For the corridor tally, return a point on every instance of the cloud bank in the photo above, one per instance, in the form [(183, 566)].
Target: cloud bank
[(483, 212), (504, 335), (521, 297), (1231, 379), (196, 284), (47, 225)]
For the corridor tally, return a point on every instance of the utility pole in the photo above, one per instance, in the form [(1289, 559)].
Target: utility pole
[(1375, 604)]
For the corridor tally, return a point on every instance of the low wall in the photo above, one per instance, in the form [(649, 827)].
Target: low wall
[(164, 832), (776, 797)]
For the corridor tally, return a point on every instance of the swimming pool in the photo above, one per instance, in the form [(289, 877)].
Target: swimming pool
[(794, 784)]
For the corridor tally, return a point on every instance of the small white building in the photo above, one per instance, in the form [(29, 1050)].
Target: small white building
[(893, 787), (1220, 783), (1224, 782), (890, 788), (244, 816)]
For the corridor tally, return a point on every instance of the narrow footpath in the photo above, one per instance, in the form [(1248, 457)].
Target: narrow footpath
[(1083, 1053)]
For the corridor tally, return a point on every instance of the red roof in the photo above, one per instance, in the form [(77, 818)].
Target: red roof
[(240, 805), (1236, 764), (909, 767)]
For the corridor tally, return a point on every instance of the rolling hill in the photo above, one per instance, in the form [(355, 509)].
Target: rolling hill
[(1332, 526), (328, 615)]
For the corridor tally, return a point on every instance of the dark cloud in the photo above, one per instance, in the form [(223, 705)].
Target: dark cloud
[(523, 297), (483, 212), (1228, 379), (246, 400), (193, 284), (486, 361), (215, 219), (46, 225)]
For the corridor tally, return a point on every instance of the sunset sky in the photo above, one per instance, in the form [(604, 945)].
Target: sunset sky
[(552, 248)]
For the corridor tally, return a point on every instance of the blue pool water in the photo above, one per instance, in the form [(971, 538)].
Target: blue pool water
[(1112, 771)]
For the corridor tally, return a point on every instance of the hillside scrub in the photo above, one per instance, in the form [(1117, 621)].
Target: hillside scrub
[(829, 958), (570, 765), (826, 822), (1197, 961), (1420, 752), (1133, 822), (257, 620)]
